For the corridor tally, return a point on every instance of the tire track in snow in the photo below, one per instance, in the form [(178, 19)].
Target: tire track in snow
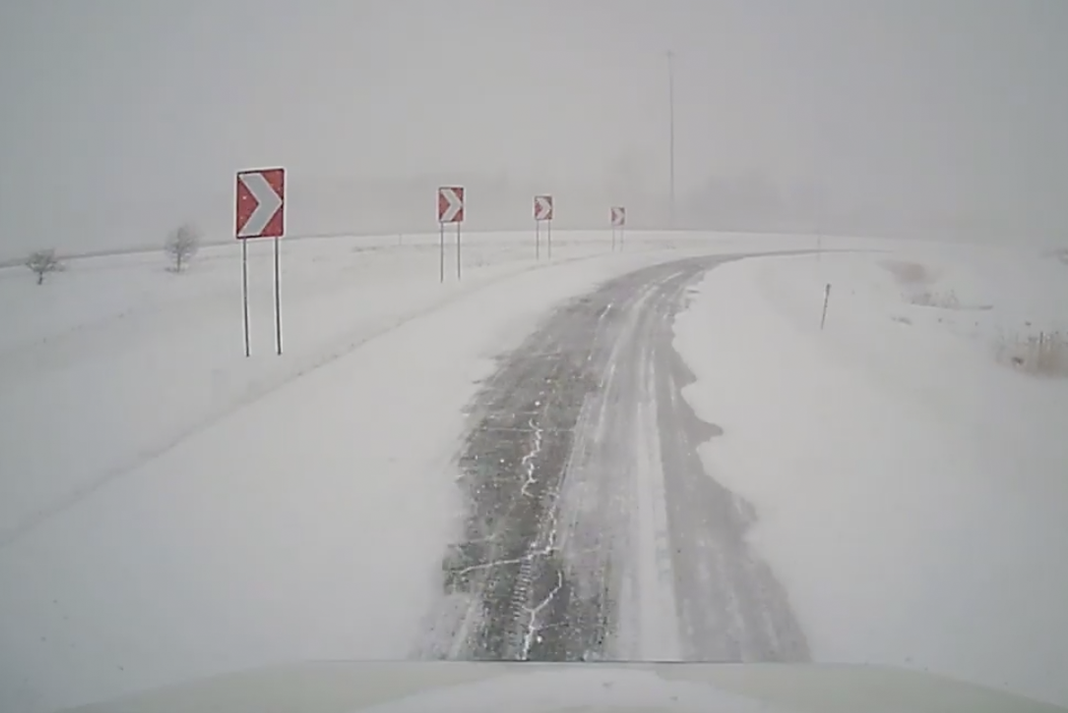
[(592, 530)]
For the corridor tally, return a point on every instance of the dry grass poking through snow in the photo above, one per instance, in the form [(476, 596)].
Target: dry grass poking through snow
[(942, 300), (1042, 354)]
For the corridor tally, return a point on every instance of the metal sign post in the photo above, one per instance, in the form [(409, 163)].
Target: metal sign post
[(244, 292)]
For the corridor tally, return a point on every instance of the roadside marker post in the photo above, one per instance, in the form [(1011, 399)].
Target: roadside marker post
[(450, 210), (260, 213), (543, 211), (826, 299), (619, 222)]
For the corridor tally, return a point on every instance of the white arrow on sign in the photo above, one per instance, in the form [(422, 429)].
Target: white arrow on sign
[(543, 208), (455, 205), (268, 202)]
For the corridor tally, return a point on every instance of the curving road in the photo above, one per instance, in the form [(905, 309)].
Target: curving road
[(593, 531)]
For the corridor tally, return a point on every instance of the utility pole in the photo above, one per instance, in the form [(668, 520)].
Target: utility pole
[(671, 135)]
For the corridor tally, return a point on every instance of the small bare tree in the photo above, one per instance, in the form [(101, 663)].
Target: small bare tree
[(43, 262), (182, 245)]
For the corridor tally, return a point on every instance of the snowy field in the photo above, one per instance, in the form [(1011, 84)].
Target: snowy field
[(170, 509), (909, 463)]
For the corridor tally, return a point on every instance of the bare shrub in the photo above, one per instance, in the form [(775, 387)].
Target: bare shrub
[(43, 262), (908, 273), (182, 245)]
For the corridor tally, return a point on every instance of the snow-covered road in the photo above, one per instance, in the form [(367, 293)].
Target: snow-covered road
[(592, 530)]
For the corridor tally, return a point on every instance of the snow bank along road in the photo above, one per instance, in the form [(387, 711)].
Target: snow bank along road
[(592, 528)]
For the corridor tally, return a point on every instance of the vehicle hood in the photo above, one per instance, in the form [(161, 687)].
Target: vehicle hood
[(421, 687)]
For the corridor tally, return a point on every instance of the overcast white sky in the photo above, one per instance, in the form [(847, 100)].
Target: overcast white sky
[(125, 116)]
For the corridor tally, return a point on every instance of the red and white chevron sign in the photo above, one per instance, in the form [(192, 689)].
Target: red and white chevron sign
[(543, 207), (261, 203), (451, 204), (619, 216)]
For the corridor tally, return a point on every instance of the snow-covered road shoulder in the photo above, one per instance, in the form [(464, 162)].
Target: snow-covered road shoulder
[(907, 473)]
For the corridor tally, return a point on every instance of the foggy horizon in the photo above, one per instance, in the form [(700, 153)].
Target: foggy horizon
[(124, 119)]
